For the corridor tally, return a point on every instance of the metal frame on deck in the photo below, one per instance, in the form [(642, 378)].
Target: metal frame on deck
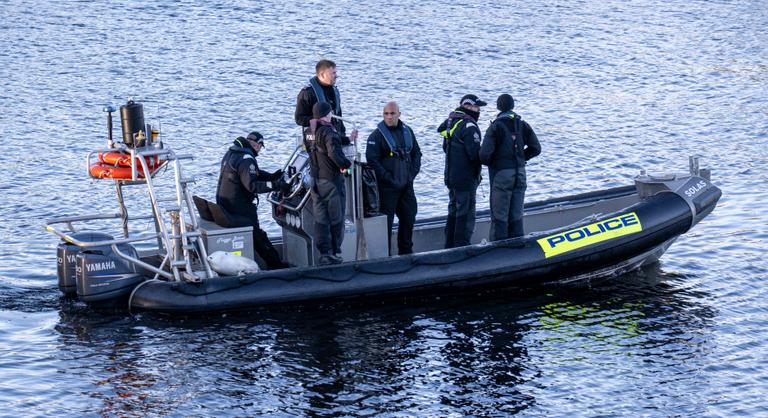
[(177, 245)]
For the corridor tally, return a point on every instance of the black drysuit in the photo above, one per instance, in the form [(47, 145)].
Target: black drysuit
[(240, 181), (508, 143), (461, 144), (328, 192), (308, 97), (396, 162)]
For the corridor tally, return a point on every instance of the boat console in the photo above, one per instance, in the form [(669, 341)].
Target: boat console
[(364, 236)]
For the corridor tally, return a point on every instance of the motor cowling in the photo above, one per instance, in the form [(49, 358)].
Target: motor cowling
[(101, 275), (66, 259)]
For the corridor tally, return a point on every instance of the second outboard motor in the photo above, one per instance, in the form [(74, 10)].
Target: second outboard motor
[(132, 119), (66, 255), (101, 275)]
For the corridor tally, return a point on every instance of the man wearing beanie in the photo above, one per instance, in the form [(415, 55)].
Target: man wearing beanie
[(327, 164), (322, 89), (508, 143), (240, 182), (461, 144)]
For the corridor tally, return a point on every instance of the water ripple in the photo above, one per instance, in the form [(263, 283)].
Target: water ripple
[(611, 89)]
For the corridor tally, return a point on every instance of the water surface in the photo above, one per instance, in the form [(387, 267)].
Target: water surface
[(610, 89)]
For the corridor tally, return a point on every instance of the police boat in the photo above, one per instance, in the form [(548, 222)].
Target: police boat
[(590, 235)]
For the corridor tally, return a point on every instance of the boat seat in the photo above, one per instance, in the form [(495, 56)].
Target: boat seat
[(225, 219), (202, 208)]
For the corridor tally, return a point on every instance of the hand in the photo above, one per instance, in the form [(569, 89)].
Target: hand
[(283, 187), (276, 175), (353, 135), (346, 171)]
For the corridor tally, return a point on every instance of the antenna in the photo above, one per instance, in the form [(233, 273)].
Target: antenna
[(109, 109)]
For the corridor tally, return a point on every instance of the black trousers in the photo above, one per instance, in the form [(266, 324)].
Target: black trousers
[(261, 243), (461, 217), (328, 207), (400, 202), (507, 195)]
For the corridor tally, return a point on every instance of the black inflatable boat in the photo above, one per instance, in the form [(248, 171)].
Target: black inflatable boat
[(621, 231), (589, 235)]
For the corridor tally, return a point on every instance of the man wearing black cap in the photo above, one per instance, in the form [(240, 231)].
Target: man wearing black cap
[(240, 182), (327, 164), (508, 143), (461, 144), (322, 88)]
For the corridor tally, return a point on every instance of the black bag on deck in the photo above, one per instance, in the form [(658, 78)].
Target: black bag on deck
[(370, 192)]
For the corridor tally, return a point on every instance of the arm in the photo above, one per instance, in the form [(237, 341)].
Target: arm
[(334, 151), (443, 126), (304, 102), (339, 124), (374, 154), (471, 137), (345, 140), (489, 145), (264, 175), (249, 176), (532, 145)]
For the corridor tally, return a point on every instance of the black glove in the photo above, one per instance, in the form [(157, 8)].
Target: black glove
[(282, 186), (276, 175)]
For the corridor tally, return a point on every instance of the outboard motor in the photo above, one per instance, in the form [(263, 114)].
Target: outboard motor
[(101, 275), (132, 120), (66, 255)]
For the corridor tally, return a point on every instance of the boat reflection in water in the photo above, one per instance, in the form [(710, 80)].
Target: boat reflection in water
[(500, 351)]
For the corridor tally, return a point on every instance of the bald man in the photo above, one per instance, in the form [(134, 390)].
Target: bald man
[(394, 155)]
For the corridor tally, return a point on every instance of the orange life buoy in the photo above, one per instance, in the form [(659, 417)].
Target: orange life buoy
[(123, 159), (116, 172)]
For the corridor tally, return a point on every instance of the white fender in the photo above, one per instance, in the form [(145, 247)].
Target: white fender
[(228, 264)]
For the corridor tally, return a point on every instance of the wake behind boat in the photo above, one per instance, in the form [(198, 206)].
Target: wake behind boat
[(594, 234)]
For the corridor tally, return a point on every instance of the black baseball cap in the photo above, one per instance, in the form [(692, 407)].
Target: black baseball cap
[(256, 137), (471, 99)]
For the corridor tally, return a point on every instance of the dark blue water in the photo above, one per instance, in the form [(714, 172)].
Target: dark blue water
[(610, 88)]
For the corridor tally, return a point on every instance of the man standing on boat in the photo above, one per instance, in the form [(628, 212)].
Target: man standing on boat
[(327, 164), (461, 144), (394, 155), (508, 143), (322, 89), (240, 182)]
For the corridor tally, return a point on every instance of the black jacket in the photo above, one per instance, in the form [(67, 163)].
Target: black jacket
[(394, 168), (461, 144), (240, 180), (307, 98), (508, 143), (326, 155)]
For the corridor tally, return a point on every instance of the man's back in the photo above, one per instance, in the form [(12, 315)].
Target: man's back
[(329, 155)]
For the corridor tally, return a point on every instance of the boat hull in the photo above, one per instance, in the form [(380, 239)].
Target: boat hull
[(515, 262)]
